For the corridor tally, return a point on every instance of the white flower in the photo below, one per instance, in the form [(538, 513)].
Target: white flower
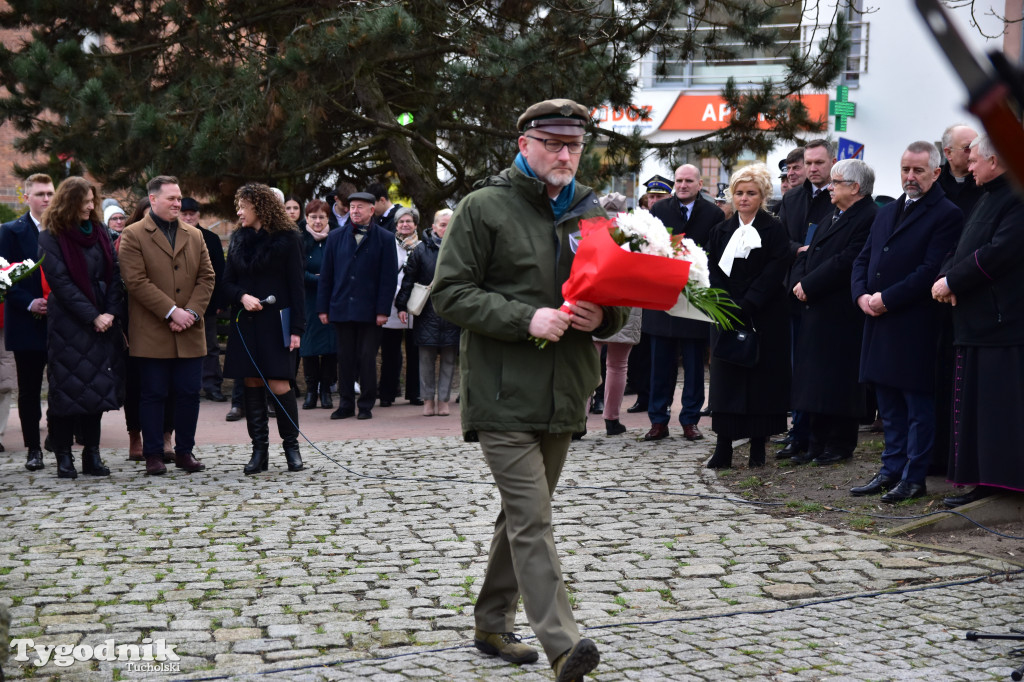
[(698, 264)]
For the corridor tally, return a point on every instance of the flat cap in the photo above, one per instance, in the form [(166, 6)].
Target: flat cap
[(362, 196), (555, 116), (659, 184), (189, 204)]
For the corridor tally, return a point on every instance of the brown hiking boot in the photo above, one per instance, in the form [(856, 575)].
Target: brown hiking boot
[(576, 662), (508, 645)]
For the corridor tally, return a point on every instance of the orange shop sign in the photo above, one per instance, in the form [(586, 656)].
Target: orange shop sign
[(710, 112)]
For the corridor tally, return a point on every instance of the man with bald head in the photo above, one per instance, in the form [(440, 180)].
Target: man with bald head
[(956, 180), (673, 338)]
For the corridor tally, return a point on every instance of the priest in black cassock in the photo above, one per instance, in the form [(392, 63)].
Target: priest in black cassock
[(984, 281)]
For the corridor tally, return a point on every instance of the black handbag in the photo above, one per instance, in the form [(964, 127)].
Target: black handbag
[(737, 347)]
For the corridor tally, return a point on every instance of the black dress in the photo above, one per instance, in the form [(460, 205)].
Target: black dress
[(261, 263), (752, 402)]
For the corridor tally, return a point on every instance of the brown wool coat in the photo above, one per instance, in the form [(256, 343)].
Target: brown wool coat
[(157, 280)]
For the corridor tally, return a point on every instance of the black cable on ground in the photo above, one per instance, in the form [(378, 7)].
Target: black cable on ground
[(648, 623)]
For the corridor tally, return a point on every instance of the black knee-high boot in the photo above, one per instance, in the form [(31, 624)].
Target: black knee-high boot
[(288, 427), (259, 429), (757, 454), (722, 459)]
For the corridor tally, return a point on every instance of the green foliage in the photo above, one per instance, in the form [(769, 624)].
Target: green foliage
[(301, 95), (7, 214)]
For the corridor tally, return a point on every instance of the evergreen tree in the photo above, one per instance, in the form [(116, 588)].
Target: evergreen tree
[(300, 95)]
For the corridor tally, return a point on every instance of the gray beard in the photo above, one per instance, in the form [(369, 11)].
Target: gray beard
[(558, 180)]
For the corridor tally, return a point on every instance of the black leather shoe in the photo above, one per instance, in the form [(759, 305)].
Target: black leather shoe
[(234, 414), (876, 485), (638, 406), (832, 457), (905, 491), (34, 462), (365, 414), (785, 440), (792, 450), (386, 403), (310, 401), (416, 401), (979, 493), (341, 413), (597, 406), (216, 396)]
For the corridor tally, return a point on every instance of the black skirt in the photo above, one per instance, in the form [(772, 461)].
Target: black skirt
[(988, 406), (258, 341)]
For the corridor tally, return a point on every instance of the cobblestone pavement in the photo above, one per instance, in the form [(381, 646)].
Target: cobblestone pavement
[(324, 574)]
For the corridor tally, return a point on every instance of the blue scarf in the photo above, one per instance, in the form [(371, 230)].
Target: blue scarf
[(560, 204)]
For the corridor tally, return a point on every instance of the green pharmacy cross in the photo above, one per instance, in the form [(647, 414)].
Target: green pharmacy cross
[(841, 107)]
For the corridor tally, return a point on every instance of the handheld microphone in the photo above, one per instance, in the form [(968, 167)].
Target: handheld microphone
[(269, 300)]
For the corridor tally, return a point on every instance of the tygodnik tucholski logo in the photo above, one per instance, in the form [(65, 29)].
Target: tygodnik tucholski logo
[(153, 655)]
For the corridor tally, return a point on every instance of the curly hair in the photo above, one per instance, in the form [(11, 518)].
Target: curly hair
[(757, 174), (269, 209), (62, 213)]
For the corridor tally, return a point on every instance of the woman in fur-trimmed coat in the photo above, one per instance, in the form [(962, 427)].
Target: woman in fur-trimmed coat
[(265, 259)]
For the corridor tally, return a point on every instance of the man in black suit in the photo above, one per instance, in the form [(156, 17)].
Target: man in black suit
[(803, 207), (212, 375), (674, 337), (891, 284), (956, 180), (383, 210), (25, 312)]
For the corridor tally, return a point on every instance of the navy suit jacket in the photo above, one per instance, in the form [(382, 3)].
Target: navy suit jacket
[(902, 260), (19, 239), (704, 216), (357, 283)]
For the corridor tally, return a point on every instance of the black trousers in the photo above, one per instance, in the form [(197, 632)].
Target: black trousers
[(391, 365), (358, 343), (63, 430), (638, 371), (320, 371), (832, 433), (30, 365), (133, 397), (213, 377)]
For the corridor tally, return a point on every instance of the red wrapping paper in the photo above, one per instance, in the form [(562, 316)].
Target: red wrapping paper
[(606, 274)]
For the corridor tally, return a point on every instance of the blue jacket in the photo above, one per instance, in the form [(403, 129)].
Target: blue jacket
[(19, 239), (357, 283), (902, 261)]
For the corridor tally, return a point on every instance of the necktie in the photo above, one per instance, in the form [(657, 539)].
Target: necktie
[(908, 208)]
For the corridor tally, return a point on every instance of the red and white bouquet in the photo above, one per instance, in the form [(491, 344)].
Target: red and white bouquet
[(12, 273), (634, 260)]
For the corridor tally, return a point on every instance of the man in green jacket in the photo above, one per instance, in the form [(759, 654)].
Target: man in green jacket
[(499, 276)]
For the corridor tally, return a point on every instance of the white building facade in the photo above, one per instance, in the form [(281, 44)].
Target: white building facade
[(902, 85)]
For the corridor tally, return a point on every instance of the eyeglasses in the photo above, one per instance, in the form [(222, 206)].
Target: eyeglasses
[(965, 149), (555, 146), (840, 182)]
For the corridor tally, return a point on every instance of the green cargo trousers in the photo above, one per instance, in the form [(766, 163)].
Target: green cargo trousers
[(523, 559)]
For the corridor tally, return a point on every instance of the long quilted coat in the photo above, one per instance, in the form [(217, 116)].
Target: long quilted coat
[(85, 369)]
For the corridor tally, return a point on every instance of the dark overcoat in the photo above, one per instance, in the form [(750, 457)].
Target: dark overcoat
[(358, 281), (799, 209), (319, 338), (827, 365), (430, 328), (704, 216), (901, 260), (23, 330), (85, 369), (986, 272), (757, 285), (261, 263)]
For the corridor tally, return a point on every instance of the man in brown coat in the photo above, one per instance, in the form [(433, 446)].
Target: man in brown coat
[(169, 277)]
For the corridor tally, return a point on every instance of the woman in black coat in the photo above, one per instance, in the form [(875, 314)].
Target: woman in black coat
[(751, 402), (85, 362), (318, 351), (435, 337), (826, 383), (264, 259)]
